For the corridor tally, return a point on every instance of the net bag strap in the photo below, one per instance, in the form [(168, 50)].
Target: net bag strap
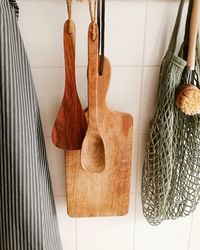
[(174, 37), (173, 41)]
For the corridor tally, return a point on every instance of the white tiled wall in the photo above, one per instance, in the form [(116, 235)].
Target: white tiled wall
[(137, 35)]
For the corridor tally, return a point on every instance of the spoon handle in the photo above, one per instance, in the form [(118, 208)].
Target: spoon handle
[(92, 73), (194, 26)]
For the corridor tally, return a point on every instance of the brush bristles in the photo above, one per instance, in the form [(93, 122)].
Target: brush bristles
[(188, 99)]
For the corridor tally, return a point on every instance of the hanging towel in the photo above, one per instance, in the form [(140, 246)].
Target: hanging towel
[(28, 218)]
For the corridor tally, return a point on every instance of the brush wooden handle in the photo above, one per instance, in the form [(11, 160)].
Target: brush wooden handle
[(194, 26)]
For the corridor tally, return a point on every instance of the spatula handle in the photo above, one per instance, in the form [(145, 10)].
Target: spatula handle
[(92, 73), (69, 55), (194, 26)]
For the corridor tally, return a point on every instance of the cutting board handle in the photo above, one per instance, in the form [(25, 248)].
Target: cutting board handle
[(104, 82)]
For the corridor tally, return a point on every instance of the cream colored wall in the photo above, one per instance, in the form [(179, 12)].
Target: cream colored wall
[(137, 35)]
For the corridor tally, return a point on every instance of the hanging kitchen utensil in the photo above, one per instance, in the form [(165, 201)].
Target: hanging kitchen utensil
[(92, 151), (171, 173), (188, 96), (71, 124), (105, 192)]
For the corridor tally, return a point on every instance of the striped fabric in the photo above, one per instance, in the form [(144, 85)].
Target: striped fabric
[(28, 218), (15, 5)]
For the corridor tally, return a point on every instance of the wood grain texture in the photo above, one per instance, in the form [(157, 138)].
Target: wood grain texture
[(71, 124), (106, 193), (92, 151), (194, 27)]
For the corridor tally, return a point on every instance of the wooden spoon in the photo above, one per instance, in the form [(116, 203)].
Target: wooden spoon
[(93, 152), (71, 124)]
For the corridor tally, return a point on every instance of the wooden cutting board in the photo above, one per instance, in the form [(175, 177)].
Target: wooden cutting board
[(106, 193)]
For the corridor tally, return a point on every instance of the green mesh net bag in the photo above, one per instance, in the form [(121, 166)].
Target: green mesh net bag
[(171, 170)]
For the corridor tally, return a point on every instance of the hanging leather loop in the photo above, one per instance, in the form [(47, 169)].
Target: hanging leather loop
[(101, 25), (93, 16)]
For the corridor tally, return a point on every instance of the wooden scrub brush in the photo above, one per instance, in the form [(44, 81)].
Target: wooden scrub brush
[(188, 95), (188, 99)]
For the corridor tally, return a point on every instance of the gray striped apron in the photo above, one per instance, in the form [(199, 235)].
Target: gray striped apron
[(28, 218)]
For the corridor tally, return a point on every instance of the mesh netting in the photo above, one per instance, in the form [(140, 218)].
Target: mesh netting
[(171, 171)]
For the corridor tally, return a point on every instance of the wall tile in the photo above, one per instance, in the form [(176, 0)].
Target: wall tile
[(160, 21), (159, 245), (124, 92), (194, 245), (168, 235), (43, 34), (66, 224), (50, 88), (125, 36), (149, 97), (106, 230), (157, 31), (57, 167), (134, 164), (41, 25), (141, 153), (105, 247), (195, 235), (49, 85), (66, 247)]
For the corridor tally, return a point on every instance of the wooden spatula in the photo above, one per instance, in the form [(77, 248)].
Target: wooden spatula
[(70, 125)]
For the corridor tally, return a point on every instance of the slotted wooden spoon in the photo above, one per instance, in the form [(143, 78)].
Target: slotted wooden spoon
[(70, 125)]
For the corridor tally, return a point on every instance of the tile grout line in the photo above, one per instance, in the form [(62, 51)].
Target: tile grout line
[(63, 196), (135, 134), (108, 0), (190, 233), (140, 113), (75, 231), (84, 67)]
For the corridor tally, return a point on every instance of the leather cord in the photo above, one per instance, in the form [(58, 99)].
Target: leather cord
[(101, 25)]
